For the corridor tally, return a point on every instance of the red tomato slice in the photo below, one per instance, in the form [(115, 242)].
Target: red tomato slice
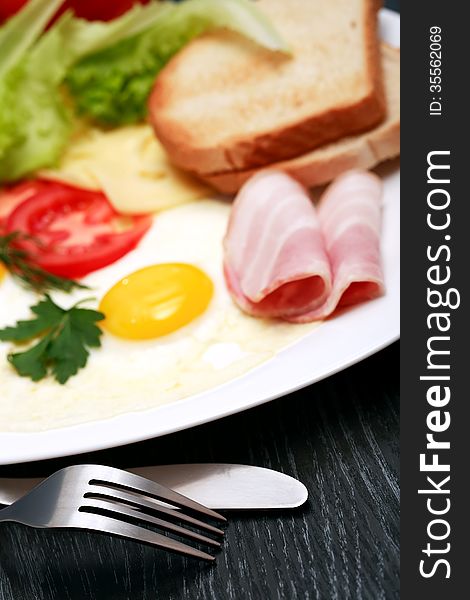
[(11, 196), (101, 10), (78, 230)]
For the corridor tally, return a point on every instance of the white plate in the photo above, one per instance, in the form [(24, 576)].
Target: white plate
[(335, 345)]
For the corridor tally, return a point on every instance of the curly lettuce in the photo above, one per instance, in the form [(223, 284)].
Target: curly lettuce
[(112, 86)]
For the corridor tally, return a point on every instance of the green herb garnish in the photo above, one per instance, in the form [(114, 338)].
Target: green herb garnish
[(21, 266), (62, 340)]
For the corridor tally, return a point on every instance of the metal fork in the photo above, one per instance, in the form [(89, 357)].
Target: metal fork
[(108, 500)]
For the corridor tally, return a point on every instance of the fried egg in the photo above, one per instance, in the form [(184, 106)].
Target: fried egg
[(171, 328)]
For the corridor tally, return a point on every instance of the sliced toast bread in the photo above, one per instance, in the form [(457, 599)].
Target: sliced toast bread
[(224, 103), (362, 151)]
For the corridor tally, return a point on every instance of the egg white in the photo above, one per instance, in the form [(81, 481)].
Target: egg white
[(123, 376)]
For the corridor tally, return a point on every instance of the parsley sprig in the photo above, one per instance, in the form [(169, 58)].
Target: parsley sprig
[(21, 265), (62, 336)]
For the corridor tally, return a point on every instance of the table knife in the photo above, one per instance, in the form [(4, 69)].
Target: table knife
[(219, 486)]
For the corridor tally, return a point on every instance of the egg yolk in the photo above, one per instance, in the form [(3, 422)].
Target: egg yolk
[(2, 271), (156, 300)]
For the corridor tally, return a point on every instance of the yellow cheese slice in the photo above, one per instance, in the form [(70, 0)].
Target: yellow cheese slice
[(130, 166)]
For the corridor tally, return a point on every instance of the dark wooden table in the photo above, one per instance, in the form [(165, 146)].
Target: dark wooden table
[(340, 437)]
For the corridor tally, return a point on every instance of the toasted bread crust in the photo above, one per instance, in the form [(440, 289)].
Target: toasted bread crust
[(377, 146), (250, 151), (324, 164)]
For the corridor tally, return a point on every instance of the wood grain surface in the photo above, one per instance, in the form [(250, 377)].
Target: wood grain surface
[(339, 436)]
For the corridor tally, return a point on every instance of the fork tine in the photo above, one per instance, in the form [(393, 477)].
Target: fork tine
[(119, 510), (120, 479), (103, 524), (131, 499)]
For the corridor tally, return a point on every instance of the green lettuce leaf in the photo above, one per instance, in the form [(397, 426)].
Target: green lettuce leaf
[(17, 37), (10, 122), (22, 30), (112, 86), (86, 37), (31, 94)]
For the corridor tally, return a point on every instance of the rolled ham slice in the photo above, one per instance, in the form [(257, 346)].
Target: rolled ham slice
[(350, 218), (286, 259), (275, 258)]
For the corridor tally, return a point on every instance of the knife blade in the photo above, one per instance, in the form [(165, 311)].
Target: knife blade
[(216, 485)]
